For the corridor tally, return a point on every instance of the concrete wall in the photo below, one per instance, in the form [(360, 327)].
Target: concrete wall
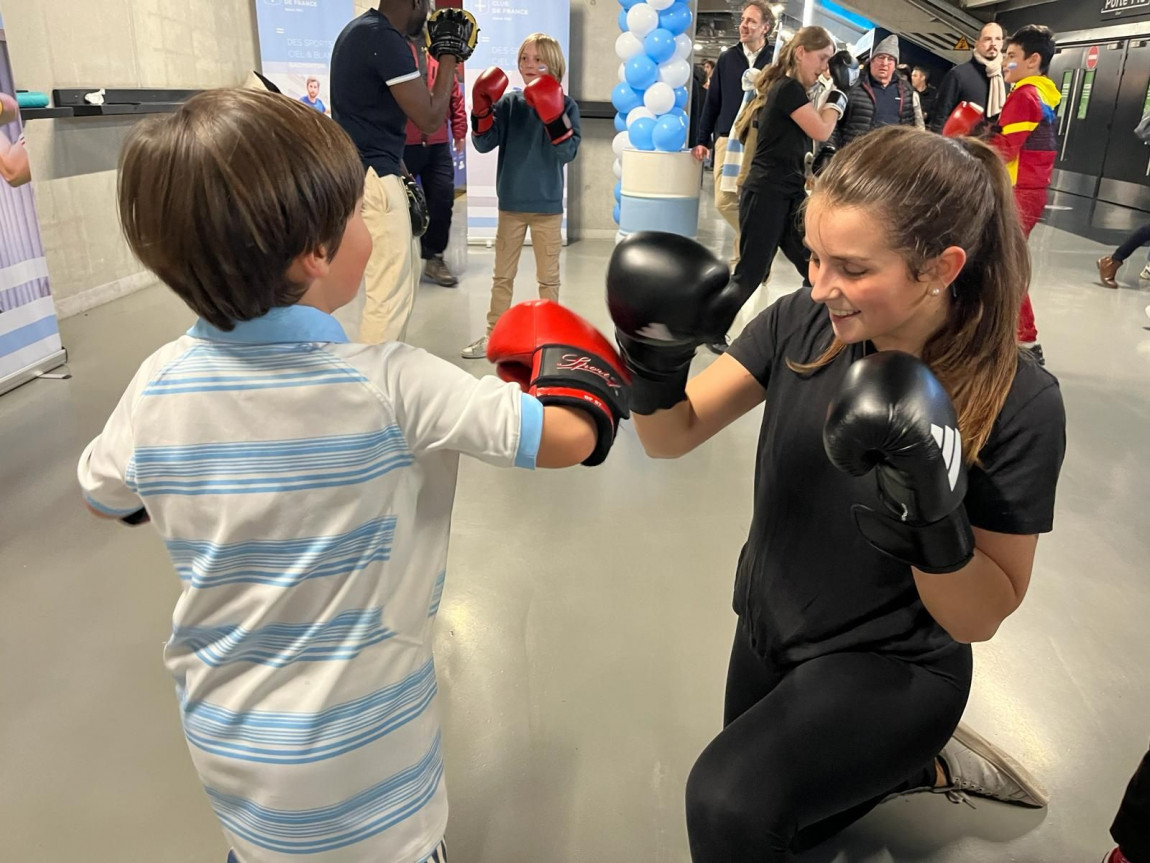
[(594, 73), (115, 43), (173, 43)]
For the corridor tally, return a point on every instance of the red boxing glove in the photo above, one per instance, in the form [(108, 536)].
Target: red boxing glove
[(488, 89), (545, 95), (559, 358), (963, 120)]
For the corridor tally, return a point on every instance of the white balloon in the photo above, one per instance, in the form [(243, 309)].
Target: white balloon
[(618, 169), (642, 111), (642, 19), (622, 71), (627, 46), (683, 46), (622, 142), (659, 98), (675, 73), (660, 5)]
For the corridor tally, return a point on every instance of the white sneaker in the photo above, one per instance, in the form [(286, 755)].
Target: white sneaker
[(477, 350), (976, 766), (1148, 311), (1145, 274)]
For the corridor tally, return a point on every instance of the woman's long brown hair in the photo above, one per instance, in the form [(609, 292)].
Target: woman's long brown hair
[(927, 193), (809, 39)]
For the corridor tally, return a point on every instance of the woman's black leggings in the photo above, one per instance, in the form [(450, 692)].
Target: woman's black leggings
[(807, 750), (1131, 828), (769, 221), (1133, 243)]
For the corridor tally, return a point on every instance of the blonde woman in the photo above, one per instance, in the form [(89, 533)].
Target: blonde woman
[(785, 123)]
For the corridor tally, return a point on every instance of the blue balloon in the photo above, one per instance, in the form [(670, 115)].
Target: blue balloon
[(641, 72), (623, 20), (620, 123), (627, 4), (619, 191), (641, 131), (659, 45), (681, 98), (625, 99), (676, 18), (678, 112), (669, 134), (615, 214)]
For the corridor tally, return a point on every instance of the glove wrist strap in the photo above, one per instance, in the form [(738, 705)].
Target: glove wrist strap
[(649, 395), (946, 545), (560, 129)]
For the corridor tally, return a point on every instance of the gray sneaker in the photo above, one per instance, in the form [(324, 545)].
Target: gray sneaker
[(976, 766), (435, 270), (477, 350)]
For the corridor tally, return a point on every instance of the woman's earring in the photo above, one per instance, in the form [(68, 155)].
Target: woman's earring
[(934, 292)]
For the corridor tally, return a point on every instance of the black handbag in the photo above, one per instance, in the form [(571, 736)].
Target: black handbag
[(416, 206)]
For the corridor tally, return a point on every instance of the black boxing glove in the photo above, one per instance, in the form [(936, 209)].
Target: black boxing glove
[(892, 416), (667, 295), (844, 70), (823, 159), (451, 31)]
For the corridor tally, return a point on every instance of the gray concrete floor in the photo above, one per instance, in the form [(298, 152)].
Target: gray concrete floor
[(583, 636)]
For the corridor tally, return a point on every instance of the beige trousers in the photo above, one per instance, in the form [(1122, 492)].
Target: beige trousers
[(392, 274), (727, 203), (546, 241)]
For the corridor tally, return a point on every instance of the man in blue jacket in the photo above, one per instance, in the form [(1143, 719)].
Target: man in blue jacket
[(726, 94)]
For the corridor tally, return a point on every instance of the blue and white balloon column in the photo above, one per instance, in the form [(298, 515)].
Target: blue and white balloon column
[(651, 97)]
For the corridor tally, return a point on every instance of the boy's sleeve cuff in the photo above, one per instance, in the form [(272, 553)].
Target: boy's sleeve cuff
[(530, 431), (108, 510)]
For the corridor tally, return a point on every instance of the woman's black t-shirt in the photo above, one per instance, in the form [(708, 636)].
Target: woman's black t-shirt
[(778, 162), (808, 584)]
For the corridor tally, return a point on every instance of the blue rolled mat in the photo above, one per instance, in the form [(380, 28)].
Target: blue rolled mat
[(31, 99)]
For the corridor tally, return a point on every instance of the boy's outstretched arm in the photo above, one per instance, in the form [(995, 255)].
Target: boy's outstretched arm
[(571, 368)]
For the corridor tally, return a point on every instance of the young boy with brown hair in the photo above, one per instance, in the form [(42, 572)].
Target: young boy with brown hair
[(304, 485)]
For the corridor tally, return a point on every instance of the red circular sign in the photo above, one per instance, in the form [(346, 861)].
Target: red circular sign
[(1092, 57)]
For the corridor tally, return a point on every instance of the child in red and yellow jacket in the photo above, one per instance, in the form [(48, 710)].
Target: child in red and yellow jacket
[(1026, 136)]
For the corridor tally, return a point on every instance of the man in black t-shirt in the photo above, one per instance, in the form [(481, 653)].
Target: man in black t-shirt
[(375, 89)]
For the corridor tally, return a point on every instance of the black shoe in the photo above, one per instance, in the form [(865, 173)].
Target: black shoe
[(1035, 350), (719, 347)]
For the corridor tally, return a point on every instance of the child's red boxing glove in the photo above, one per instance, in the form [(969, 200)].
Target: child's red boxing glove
[(559, 358), (545, 95), (963, 120), (488, 89)]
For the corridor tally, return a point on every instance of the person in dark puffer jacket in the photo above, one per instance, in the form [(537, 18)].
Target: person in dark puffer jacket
[(880, 98)]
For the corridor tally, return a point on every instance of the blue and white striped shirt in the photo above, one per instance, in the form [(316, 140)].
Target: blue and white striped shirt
[(304, 487)]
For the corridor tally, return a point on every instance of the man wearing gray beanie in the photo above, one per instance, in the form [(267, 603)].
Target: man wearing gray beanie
[(880, 98)]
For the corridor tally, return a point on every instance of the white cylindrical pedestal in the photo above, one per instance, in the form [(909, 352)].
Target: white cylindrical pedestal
[(660, 192)]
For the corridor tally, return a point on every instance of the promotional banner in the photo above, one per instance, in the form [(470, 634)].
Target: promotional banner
[(504, 24), (296, 38), (29, 334)]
